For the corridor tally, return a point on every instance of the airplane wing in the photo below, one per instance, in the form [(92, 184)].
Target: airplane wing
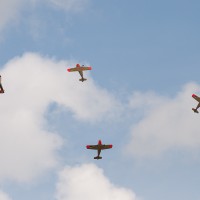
[(93, 147), (85, 68), (196, 97), (78, 69), (106, 146), (72, 69)]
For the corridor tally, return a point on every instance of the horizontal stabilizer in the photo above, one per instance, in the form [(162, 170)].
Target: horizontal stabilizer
[(98, 157), (82, 79), (195, 110)]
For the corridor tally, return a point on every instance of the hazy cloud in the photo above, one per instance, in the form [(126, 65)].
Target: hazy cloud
[(4, 196), (71, 5), (88, 182), (167, 123), (9, 11)]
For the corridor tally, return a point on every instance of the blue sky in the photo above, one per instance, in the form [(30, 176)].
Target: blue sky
[(145, 59)]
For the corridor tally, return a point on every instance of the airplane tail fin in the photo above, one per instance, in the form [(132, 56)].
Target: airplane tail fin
[(195, 110), (82, 79), (98, 157)]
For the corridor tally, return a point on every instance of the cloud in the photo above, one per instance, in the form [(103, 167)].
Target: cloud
[(71, 5), (27, 149), (11, 9), (87, 182), (31, 84), (4, 196), (167, 123)]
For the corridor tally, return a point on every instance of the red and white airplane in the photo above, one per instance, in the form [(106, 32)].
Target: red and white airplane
[(80, 69), (197, 99), (99, 147), (1, 87)]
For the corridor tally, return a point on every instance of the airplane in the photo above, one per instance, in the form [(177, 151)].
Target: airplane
[(197, 99), (80, 69), (1, 87), (99, 147)]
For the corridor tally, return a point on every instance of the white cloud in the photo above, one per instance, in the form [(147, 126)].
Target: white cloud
[(9, 10), (31, 83), (4, 196), (168, 123), (71, 5), (87, 182)]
